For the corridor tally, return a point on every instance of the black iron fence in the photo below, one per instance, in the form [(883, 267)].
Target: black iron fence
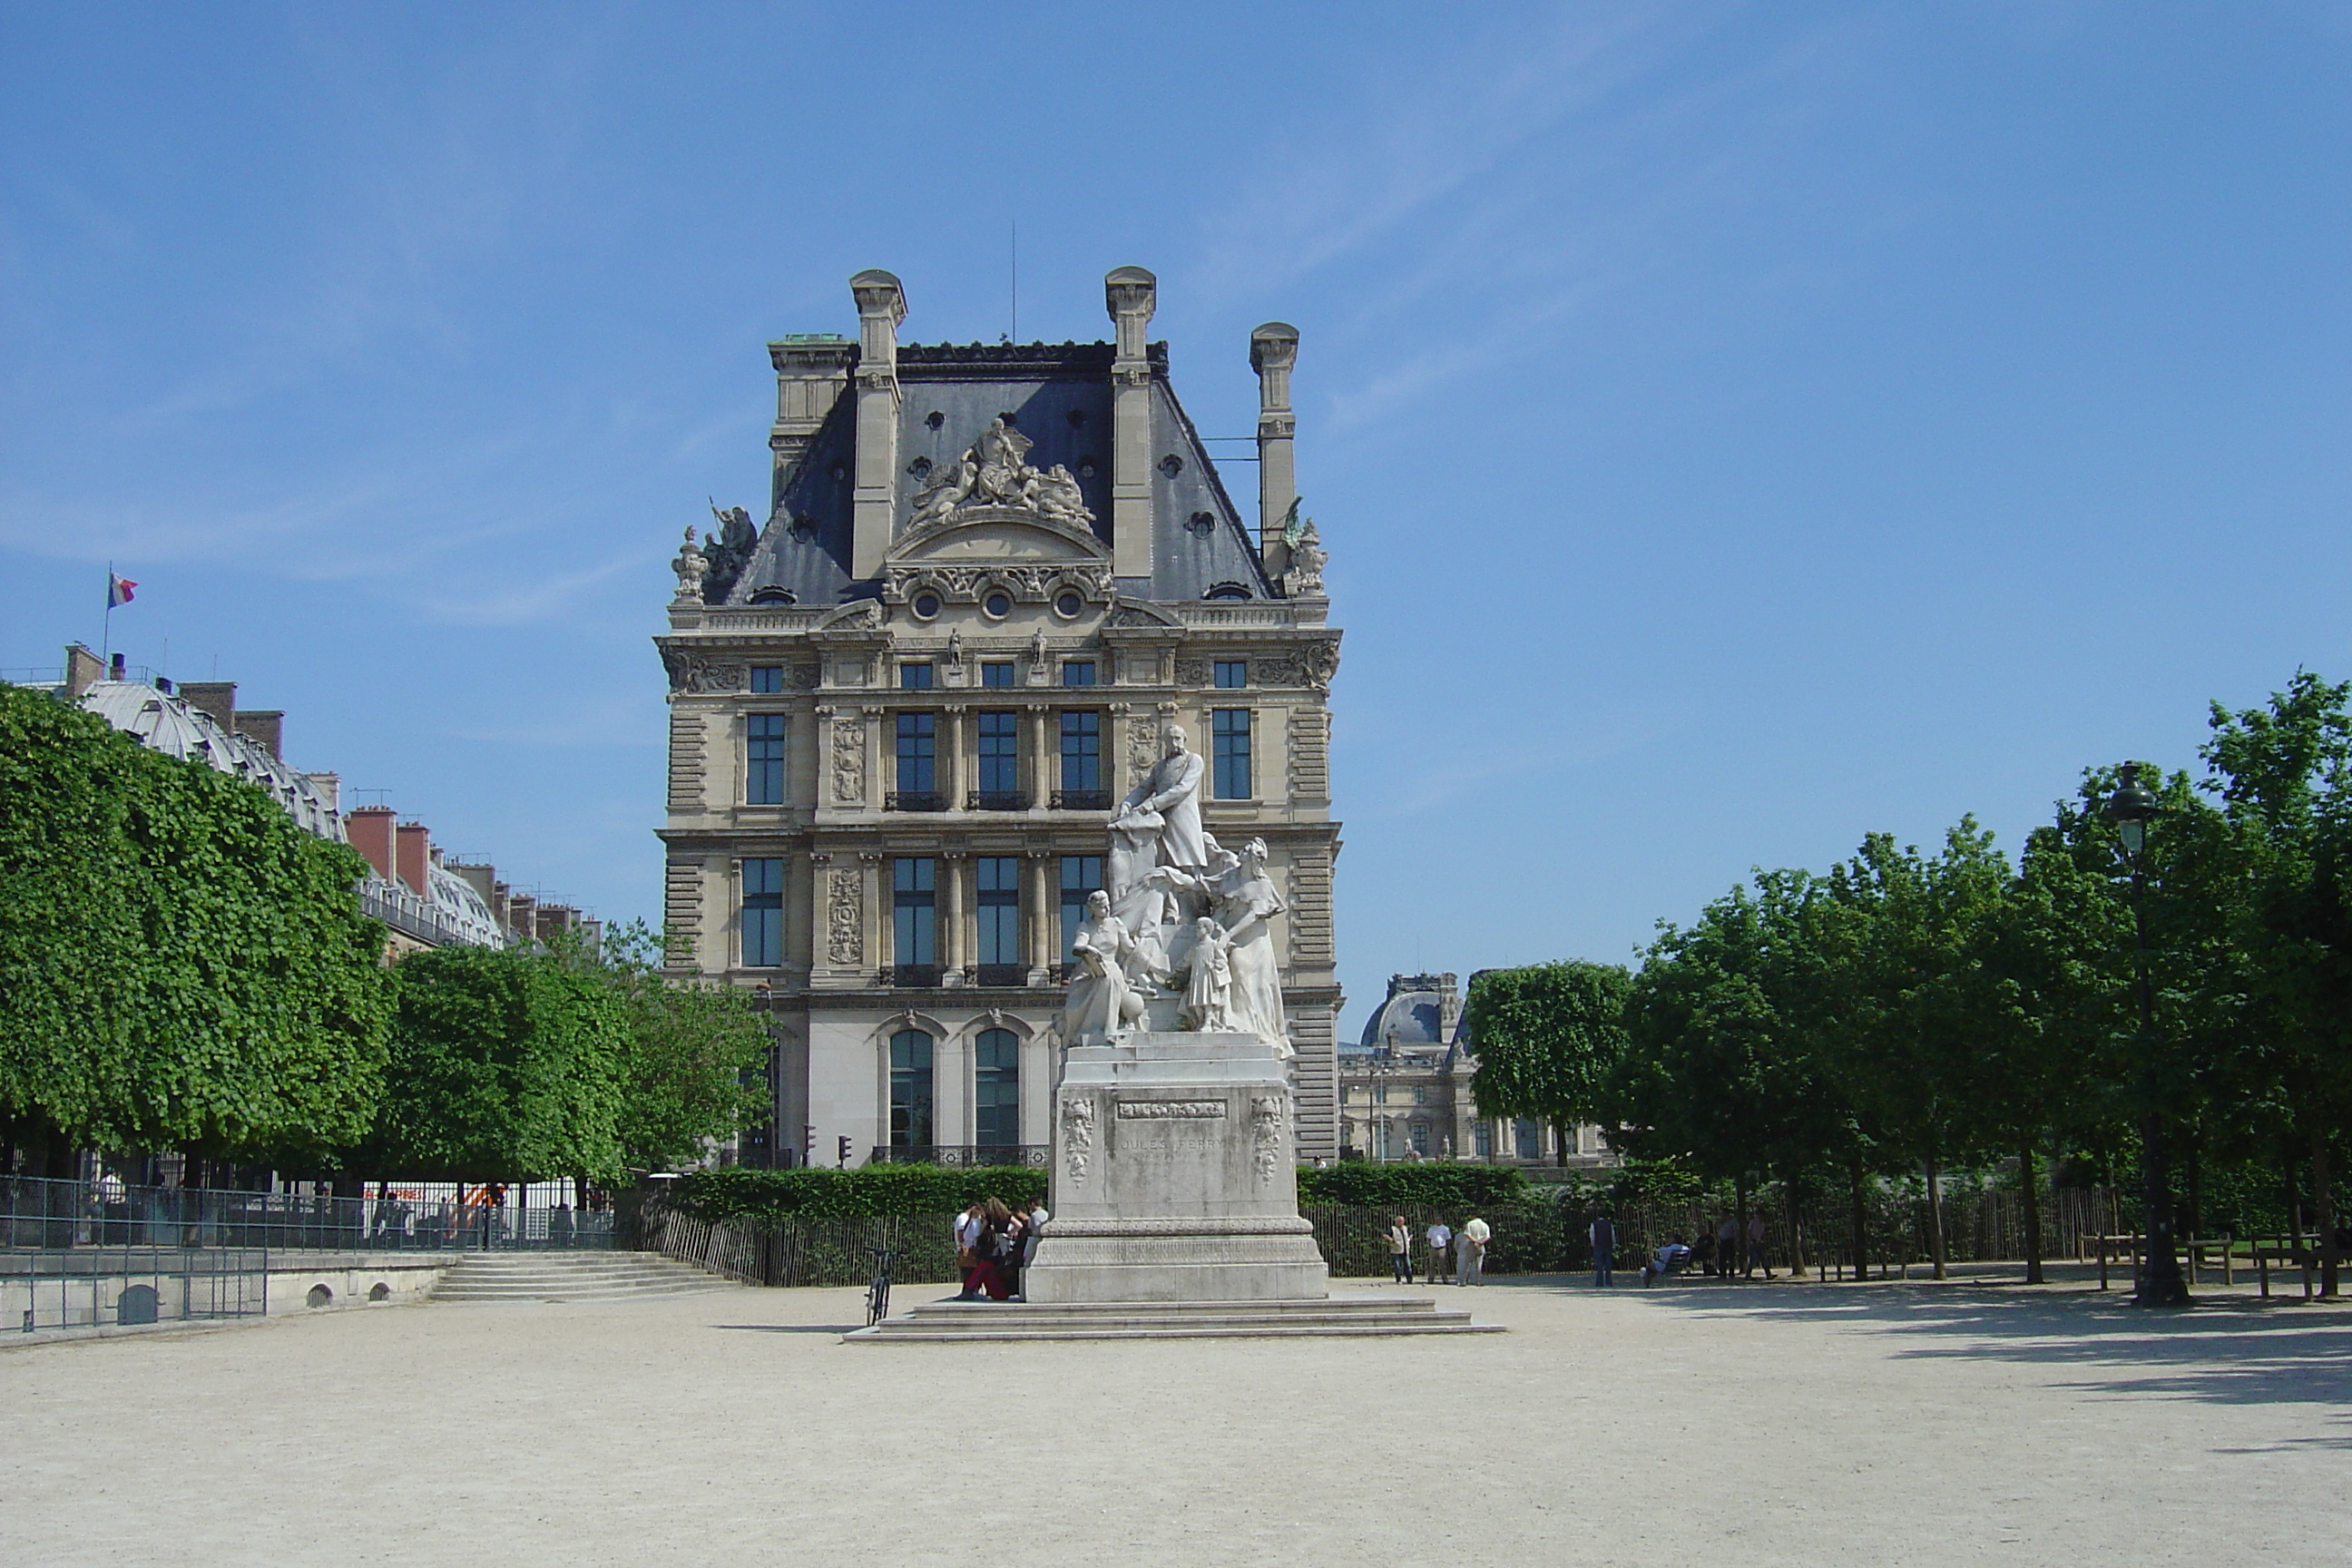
[(51, 1216), (1537, 1236), (102, 1286)]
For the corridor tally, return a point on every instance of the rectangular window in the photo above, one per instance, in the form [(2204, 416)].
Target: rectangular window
[(1081, 875), (914, 909), (1529, 1135), (1381, 1095), (1078, 672), (996, 1089), (1232, 674), (918, 747), (1482, 1138), (763, 913), (1000, 753), (998, 879), (914, 677), (1419, 1135), (998, 673), (1230, 734), (767, 678), (763, 759), (1421, 1094), (910, 1089), (1082, 750)]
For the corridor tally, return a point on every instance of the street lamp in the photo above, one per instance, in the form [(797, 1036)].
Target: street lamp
[(2131, 809)]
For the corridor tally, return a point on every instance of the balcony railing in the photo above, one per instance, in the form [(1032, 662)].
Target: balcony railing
[(996, 800), (911, 976), (1036, 1156), (914, 800), (996, 974), (1082, 800)]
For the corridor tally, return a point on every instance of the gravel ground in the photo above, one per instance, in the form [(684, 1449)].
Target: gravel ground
[(1804, 1424)]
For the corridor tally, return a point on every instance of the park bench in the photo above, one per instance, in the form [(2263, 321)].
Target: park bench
[(2194, 1251)]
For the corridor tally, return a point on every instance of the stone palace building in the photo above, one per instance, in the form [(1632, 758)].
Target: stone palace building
[(903, 709)]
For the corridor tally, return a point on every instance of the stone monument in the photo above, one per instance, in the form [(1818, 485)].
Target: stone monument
[(1174, 1175)]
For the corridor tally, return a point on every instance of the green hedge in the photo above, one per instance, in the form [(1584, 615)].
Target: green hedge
[(1360, 1184), (906, 1190)]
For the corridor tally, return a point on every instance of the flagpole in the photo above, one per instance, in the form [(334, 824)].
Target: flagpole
[(106, 637)]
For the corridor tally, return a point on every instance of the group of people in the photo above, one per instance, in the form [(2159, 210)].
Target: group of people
[(993, 1245), (1718, 1254), (1460, 1255)]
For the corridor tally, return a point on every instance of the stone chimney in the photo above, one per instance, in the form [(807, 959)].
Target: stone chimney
[(84, 669), (1274, 348), (810, 374), (520, 909), (881, 306), (329, 788), (265, 727), (1131, 295), (216, 698), (414, 853), (369, 830)]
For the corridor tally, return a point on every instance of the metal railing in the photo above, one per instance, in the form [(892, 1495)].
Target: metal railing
[(914, 800), (1036, 1156), (996, 974), (41, 1216), (911, 976), (996, 800), (1082, 800)]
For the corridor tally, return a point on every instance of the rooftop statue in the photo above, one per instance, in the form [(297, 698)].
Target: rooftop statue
[(994, 471), (690, 567)]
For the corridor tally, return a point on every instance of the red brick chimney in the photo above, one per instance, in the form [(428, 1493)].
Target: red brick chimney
[(217, 698), (369, 827), (415, 853)]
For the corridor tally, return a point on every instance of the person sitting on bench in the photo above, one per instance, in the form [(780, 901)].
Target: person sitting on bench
[(1669, 1260)]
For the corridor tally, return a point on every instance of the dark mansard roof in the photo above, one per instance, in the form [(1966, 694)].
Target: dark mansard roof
[(1059, 397)]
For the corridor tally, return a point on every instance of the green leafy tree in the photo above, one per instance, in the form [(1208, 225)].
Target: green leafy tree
[(507, 1065), (180, 964), (1546, 1038), (2284, 776), (694, 1072)]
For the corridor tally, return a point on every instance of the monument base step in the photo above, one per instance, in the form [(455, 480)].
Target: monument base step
[(936, 1322)]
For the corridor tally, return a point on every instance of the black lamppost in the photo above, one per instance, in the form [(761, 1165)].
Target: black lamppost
[(2131, 808)]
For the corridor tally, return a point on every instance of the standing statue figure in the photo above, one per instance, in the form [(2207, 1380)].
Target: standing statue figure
[(1171, 794), (1243, 904), (1100, 1003), (1307, 559), (690, 567), (1208, 989)]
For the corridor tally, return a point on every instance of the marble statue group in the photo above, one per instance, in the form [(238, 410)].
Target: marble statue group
[(1181, 918)]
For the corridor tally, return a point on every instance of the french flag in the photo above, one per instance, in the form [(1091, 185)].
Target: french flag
[(117, 590)]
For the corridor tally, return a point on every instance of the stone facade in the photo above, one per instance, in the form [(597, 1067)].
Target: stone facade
[(903, 708), (1404, 1089)]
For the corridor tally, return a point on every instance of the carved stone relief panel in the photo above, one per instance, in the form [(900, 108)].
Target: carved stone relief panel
[(697, 673), (844, 917), (849, 758)]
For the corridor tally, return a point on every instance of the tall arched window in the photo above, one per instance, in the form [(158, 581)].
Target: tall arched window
[(910, 1089), (996, 1089)]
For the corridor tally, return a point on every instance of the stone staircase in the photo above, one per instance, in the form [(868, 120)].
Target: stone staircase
[(571, 1277), (1338, 1315)]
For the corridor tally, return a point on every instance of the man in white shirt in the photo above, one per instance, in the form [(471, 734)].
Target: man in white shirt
[(1440, 1236), (1472, 1249)]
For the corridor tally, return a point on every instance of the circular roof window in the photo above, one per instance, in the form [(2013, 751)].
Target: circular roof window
[(997, 605), (926, 606), (1067, 604)]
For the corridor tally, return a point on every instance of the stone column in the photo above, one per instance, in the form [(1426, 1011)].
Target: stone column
[(951, 916), (881, 306), (951, 754), (1132, 294), (1039, 767), (1274, 348), (1041, 914)]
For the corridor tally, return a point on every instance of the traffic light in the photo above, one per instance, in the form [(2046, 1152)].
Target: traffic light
[(841, 1145)]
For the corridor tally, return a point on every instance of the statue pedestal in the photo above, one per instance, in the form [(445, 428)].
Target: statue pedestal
[(1174, 1177)]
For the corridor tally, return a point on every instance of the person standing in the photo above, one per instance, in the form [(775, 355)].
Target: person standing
[(1755, 1247), (1470, 1265), (1727, 1246), (1604, 1249), (969, 1226), (1440, 1236), (1401, 1251)]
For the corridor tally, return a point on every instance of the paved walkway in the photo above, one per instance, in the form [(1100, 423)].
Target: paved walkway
[(1802, 1424)]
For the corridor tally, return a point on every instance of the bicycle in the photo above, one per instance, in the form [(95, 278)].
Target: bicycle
[(877, 1290)]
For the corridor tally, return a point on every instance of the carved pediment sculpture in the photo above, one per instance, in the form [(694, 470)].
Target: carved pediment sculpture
[(994, 471)]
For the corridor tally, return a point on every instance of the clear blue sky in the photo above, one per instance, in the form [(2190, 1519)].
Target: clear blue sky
[(1735, 427)]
